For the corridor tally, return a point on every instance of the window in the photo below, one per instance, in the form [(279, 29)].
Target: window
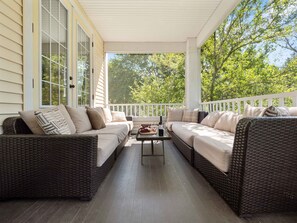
[(83, 67), (54, 54)]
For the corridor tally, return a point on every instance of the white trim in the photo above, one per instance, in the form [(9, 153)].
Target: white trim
[(28, 54), (219, 15), (106, 79), (144, 47)]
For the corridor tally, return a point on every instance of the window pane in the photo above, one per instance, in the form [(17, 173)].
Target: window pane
[(63, 36), (55, 51), (45, 45), (55, 73), (46, 4), (54, 29), (63, 56), (55, 94), (63, 76), (63, 95), (55, 8), (45, 21), (45, 69), (46, 93), (63, 15)]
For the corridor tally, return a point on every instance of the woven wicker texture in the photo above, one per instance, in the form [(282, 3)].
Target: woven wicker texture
[(41, 166), (262, 176)]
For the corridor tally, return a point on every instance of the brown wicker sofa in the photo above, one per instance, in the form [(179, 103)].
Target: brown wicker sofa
[(262, 175), (45, 166)]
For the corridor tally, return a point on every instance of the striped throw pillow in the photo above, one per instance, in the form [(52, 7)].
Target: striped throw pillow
[(52, 122), (275, 111)]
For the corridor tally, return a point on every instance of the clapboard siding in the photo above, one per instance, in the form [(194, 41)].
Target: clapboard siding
[(11, 59), (99, 72)]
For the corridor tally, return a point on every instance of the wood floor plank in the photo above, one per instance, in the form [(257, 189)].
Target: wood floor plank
[(134, 193)]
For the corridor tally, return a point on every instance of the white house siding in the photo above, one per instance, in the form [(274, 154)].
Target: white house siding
[(11, 58)]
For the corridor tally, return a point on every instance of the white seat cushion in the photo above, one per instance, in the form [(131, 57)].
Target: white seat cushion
[(184, 130), (128, 123), (215, 146), (169, 125)]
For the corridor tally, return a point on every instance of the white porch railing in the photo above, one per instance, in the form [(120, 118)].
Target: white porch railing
[(144, 110), (237, 105)]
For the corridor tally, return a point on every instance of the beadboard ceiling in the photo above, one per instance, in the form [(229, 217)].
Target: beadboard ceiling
[(156, 20)]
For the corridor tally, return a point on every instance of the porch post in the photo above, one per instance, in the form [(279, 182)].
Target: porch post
[(193, 75)]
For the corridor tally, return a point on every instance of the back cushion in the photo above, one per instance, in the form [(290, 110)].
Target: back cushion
[(30, 120), (211, 119), (292, 111), (80, 119), (235, 121), (250, 111), (225, 121), (190, 115), (95, 119), (118, 116), (99, 110), (272, 111), (175, 115), (107, 114)]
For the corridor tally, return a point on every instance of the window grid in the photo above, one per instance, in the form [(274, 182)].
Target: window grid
[(54, 53)]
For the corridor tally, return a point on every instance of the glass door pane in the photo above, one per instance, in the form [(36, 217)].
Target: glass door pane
[(83, 68)]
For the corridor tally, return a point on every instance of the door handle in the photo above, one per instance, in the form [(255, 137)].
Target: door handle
[(72, 86)]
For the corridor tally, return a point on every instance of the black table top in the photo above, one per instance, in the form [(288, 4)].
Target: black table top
[(140, 137)]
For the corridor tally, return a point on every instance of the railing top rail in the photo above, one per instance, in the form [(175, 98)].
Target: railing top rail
[(268, 96), (149, 104)]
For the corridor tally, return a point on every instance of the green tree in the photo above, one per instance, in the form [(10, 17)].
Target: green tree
[(252, 23)]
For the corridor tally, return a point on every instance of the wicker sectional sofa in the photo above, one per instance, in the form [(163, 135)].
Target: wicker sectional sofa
[(261, 169), (59, 166)]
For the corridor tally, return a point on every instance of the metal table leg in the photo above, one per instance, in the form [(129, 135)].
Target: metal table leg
[(142, 152), (163, 152), (152, 146)]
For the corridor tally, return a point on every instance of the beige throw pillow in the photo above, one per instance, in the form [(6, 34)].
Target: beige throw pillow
[(96, 119), (225, 121), (292, 111), (235, 121), (107, 115), (175, 115), (118, 116), (190, 115), (52, 122), (29, 119), (250, 111), (100, 110), (80, 119), (211, 119), (272, 111)]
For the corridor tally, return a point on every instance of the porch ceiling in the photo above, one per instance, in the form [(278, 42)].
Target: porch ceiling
[(157, 20)]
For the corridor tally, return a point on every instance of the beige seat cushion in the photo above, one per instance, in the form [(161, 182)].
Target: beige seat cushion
[(211, 119), (107, 143), (95, 119), (128, 123), (29, 119), (292, 111), (119, 129), (168, 125), (216, 147), (174, 115), (80, 119)]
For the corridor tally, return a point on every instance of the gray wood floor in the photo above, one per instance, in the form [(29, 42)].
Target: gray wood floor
[(174, 192)]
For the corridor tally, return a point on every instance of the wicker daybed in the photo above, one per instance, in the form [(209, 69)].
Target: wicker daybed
[(45, 166), (262, 175)]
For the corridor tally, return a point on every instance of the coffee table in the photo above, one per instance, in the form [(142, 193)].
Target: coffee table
[(142, 138)]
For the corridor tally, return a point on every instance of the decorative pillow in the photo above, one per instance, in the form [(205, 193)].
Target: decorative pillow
[(292, 111), (190, 115), (225, 121), (100, 110), (80, 119), (250, 111), (275, 111), (175, 115), (30, 120), (118, 116), (96, 119), (107, 115), (52, 122), (211, 119), (235, 121)]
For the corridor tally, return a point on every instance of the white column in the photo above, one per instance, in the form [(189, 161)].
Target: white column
[(28, 55), (193, 74)]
